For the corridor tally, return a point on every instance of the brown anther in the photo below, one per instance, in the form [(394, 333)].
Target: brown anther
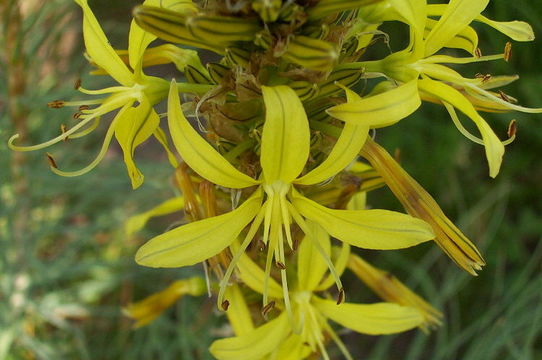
[(77, 115), (507, 51), (483, 77), (267, 308), (280, 265), (57, 104), (478, 53), (77, 84), (504, 96), (63, 130), (51, 160), (397, 155), (84, 107), (341, 296), (512, 129), (225, 305)]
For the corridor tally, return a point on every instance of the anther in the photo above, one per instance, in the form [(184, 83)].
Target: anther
[(77, 84), (267, 308), (280, 265), (84, 107), (63, 130), (225, 305), (483, 77), (507, 51), (57, 104), (51, 160), (478, 53), (504, 96), (77, 115), (512, 129), (340, 297)]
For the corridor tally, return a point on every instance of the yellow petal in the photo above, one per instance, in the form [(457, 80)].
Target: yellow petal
[(99, 49), (197, 152), (369, 229), (516, 30), (286, 135), (413, 12), (238, 312), (457, 16), (135, 126), (311, 267), (466, 39), (343, 153), (194, 242), (137, 222), (293, 348), (254, 345), (493, 146), (379, 110), (372, 319)]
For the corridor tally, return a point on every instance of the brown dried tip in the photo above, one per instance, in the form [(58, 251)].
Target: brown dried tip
[(77, 84), (267, 308), (507, 51), (280, 265), (52, 161), (478, 52), (512, 129), (84, 107), (504, 96), (341, 296), (225, 305), (57, 104)]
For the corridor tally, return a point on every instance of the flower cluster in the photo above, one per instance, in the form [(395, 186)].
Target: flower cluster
[(270, 168)]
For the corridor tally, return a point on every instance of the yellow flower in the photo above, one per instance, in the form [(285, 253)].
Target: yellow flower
[(148, 309), (306, 332), (277, 200), (419, 66), (136, 120)]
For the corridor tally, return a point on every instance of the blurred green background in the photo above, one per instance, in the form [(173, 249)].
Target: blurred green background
[(66, 265)]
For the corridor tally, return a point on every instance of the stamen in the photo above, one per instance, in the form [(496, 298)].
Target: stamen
[(52, 161), (267, 308), (86, 131), (507, 51), (286, 221), (50, 142), (337, 341), (63, 130), (99, 157), (112, 89), (512, 129), (225, 305), (303, 225), (77, 84), (84, 107), (478, 52), (280, 265), (57, 104), (251, 232), (77, 115), (341, 296)]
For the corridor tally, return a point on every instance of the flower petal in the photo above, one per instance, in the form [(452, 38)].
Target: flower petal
[(311, 267), (197, 152), (192, 243), (135, 126), (493, 146), (346, 149), (372, 319), (99, 49), (457, 16), (379, 110), (137, 222), (286, 135), (369, 229), (254, 345)]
